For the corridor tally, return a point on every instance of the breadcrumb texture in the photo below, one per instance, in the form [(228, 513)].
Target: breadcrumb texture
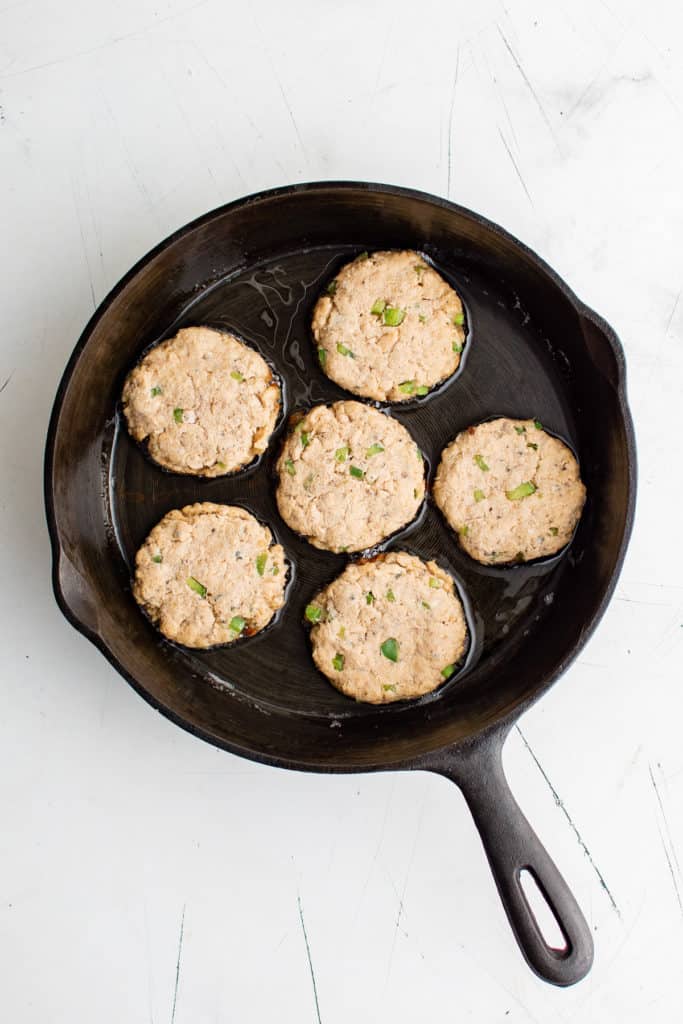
[(511, 491), (203, 401), (205, 567), (349, 476), (370, 353), (398, 605)]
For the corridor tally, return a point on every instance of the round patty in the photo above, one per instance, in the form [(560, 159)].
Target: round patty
[(389, 327), (388, 629), (349, 477), (510, 491), (208, 574), (204, 402)]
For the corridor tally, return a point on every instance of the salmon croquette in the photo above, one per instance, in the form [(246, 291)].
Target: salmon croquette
[(388, 629), (389, 328), (203, 402), (511, 491), (209, 574), (349, 477)]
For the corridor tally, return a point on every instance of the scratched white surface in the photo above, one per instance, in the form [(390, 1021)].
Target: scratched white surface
[(147, 877)]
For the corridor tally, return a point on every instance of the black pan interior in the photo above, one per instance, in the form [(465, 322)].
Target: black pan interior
[(257, 269)]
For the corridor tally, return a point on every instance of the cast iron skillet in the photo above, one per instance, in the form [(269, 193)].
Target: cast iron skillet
[(256, 266)]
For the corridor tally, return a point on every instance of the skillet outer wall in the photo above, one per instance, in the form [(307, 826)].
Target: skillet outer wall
[(596, 331)]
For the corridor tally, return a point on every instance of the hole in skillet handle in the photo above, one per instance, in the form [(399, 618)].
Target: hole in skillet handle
[(543, 913)]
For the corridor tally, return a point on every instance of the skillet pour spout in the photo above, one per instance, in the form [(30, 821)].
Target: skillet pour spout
[(256, 267)]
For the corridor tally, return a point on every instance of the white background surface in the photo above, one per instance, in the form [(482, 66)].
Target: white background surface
[(120, 122)]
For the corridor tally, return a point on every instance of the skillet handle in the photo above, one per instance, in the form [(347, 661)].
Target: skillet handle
[(511, 846)]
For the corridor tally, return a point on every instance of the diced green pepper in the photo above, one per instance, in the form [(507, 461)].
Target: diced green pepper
[(313, 613), (390, 649), (195, 585), (392, 316), (521, 491)]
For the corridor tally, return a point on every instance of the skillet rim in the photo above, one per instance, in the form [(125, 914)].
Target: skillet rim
[(503, 722)]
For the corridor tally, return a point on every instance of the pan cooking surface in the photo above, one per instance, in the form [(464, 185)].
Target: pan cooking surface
[(508, 370)]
